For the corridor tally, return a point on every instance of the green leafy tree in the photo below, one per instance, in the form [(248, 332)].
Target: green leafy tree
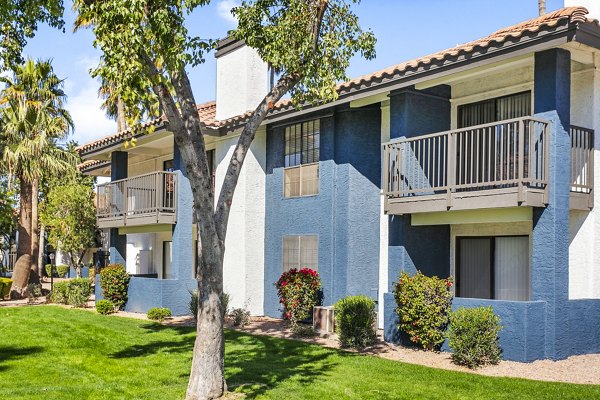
[(33, 119), (69, 215), (146, 44), (19, 22)]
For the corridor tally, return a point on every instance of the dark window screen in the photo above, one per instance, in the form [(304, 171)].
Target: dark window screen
[(498, 109), (302, 143)]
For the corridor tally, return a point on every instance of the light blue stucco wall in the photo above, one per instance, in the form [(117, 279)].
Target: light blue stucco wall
[(345, 213)]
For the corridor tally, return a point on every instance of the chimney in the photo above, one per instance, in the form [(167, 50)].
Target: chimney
[(593, 6), (242, 78)]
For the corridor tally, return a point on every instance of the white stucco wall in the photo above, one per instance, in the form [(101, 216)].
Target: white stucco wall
[(383, 223), (243, 266), (584, 227), (242, 82)]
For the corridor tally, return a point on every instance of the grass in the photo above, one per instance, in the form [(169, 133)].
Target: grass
[(50, 352)]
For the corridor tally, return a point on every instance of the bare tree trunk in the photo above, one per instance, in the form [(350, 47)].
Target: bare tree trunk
[(23, 265), (40, 266), (121, 121), (75, 264), (207, 379), (34, 277), (542, 7)]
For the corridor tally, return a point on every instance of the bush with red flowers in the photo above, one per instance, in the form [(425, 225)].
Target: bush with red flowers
[(299, 292), (424, 305)]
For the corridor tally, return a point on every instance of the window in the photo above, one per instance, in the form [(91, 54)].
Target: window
[(301, 174), (493, 267), (167, 272), (300, 252), (494, 110), (212, 167)]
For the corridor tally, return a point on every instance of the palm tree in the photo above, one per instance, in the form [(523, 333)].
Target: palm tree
[(32, 120)]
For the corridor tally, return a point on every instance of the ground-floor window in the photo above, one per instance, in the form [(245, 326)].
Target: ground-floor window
[(167, 272), (493, 267), (300, 252)]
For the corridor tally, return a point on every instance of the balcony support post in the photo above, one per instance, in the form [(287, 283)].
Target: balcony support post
[(521, 136), (118, 243)]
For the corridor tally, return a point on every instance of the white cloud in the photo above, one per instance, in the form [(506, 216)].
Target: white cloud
[(85, 107), (224, 10)]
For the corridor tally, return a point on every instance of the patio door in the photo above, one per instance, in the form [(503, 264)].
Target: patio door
[(493, 268)]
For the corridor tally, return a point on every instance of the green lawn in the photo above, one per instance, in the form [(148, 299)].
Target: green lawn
[(53, 353)]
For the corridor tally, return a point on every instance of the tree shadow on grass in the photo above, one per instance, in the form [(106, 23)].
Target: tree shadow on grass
[(7, 353), (254, 365)]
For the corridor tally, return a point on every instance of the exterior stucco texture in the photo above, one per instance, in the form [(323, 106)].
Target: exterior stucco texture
[(345, 213)]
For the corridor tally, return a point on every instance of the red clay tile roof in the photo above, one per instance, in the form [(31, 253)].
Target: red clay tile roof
[(92, 164), (548, 21)]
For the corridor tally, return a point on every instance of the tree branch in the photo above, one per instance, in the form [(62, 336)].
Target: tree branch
[(223, 208)]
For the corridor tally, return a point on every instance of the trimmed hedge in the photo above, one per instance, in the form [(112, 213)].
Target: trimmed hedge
[(74, 292), (473, 336), (114, 281), (424, 305), (355, 321), (5, 285), (60, 271), (105, 307), (159, 314)]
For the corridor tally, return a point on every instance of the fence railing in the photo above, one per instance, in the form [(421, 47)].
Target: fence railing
[(511, 153), (151, 193), (582, 159)]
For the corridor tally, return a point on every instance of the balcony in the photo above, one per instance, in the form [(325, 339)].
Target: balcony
[(502, 164), (141, 200)]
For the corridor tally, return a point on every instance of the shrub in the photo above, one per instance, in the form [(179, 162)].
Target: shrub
[(240, 316), (194, 303), (299, 292), (158, 314), (60, 293), (473, 336), (78, 291), (114, 281), (355, 321), (34, 291), (60, 271), (303, 330), (105, 307), (5, 285), (423, 308), (74, 292)]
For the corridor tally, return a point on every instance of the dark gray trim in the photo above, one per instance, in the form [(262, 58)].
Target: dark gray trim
[(228, 45), (589, 34), (103, 164)]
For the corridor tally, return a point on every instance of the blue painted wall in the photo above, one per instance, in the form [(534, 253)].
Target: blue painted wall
[(118, 243), (550, 325), (424, 248), (345, 213), (550, 237)]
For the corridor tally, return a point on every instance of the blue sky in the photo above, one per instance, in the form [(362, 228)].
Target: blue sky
[(405, 29)]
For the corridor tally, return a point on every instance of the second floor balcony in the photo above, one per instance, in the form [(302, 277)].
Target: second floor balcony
[(501, 164), (141, 200)]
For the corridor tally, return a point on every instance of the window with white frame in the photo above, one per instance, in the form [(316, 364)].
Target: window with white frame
[(301, 173), (493, 267), (300, 252)]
